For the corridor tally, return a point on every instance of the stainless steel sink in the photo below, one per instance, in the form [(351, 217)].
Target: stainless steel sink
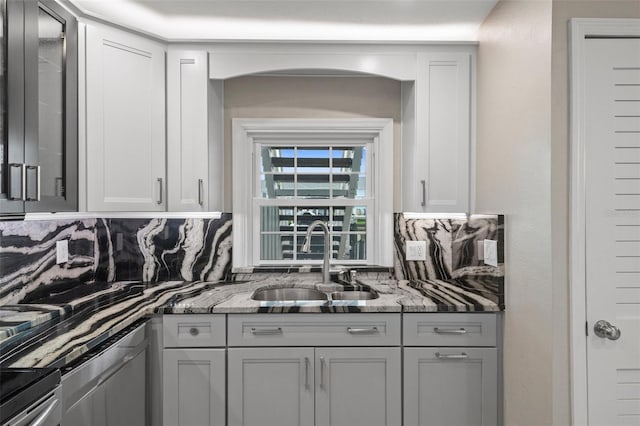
[(301, 296), (353, 295), (288, 294)]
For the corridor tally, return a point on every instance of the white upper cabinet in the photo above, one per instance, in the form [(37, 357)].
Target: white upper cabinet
[(187, 138), (436, 139), (125, 122)]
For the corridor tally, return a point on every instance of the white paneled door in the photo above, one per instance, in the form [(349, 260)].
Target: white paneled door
[(612, 231)]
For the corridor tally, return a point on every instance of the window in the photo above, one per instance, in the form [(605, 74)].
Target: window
[(289, 173)]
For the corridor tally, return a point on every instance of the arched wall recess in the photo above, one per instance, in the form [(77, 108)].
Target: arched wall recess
[(398, 66)]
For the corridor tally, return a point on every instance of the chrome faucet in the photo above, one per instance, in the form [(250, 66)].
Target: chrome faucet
[(306, 246)]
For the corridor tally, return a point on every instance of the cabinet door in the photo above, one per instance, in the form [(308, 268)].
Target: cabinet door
[(51, 111), (450, 387), (436, 135), (271, 387), (125, 394), (358, 387), (38, 124), (187, 130), (193, 387), (12, 183), (125, 122)]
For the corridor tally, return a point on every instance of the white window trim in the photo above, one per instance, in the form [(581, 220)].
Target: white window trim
[(244, 130)]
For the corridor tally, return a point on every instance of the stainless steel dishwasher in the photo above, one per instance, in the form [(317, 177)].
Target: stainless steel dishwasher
[(109, 388)]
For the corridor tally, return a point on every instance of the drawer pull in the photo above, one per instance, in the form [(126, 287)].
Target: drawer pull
[(322, 372), (462, 355), (449, 330), (371, 330), (194, 331), (306, 372), (266, 331)]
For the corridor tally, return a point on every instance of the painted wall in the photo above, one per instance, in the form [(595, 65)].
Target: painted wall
[(309, 97), (563, 10), (513, 177)]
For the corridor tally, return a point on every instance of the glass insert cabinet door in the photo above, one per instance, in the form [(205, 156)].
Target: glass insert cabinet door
[(39, 163)]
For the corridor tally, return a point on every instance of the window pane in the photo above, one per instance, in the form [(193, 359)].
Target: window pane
[(350, 246), (349, 219), (276, 247), (349, 159), (306, 215), (313, 160), (277, 172), (276, 219), (316, 248)]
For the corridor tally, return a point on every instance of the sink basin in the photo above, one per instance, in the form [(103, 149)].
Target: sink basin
[(353, 295), (288, 294)]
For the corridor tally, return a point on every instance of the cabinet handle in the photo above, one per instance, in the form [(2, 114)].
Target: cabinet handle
[(37, 169), (194, 331), (23, 182), (200, 191), (306, 372), (462, 355), (424, 193), (371, 330), (160, 191), (449, 330), (322, 372), (266, 331)]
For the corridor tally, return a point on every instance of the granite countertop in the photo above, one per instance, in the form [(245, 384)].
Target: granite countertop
[(56, 333)]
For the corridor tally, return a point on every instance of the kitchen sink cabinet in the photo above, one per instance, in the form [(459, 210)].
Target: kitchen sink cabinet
[(436, 142), (450, 370), (125, 121), (355, 386), (271, 386), (356, 383)]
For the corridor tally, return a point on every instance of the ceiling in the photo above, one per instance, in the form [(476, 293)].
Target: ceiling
[(293, 20)]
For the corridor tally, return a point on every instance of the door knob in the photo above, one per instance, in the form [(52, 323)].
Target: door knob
[(605, 329)]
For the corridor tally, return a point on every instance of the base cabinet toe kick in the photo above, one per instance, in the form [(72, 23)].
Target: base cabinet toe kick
[(352, 369)]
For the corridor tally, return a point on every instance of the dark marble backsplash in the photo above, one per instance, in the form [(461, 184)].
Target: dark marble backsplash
[(452, 246), (107, 250)]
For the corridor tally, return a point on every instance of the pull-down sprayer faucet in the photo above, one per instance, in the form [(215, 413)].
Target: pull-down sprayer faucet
[(306, 246)]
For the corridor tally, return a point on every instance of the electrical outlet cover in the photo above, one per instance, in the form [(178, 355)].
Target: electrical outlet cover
[(491, 252), (416, 250), (62, 251)]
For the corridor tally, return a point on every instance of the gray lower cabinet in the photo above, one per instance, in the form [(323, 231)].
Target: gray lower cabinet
[(193, 387), (194, 370), (451, 369), (450, 386), (271, 386), (357, 386)]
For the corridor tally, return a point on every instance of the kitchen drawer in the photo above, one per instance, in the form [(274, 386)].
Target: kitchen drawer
[(456, 329), (193, 331), (314, 330)]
